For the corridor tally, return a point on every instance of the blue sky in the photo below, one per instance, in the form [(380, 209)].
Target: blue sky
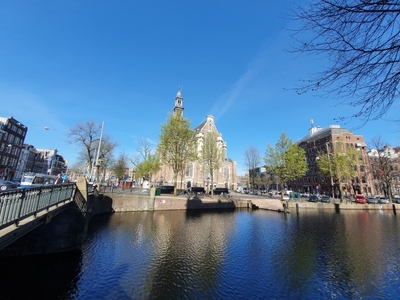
[(122, 62)]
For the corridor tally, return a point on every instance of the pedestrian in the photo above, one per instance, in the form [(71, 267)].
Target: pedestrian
[(59, 180)]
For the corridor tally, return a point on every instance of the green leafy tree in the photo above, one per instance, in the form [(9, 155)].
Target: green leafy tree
[(211, 156), (177, 145), (359, 39), (145, 162), (286, 160), (121, 165), (339, 164)]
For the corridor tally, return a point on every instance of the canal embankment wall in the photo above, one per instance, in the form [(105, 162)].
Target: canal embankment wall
[(113, 202)]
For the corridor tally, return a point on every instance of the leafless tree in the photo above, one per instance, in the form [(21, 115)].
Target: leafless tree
[(87, 136), (361, 41), (252, 160), (384, 164)]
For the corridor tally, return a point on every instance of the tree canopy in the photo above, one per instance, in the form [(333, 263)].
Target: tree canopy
[(286, 160), (210, 156), (146, 163), (339, 164), (385, 170), (121, 165), (177, 145), (87, 137), (361, 41)]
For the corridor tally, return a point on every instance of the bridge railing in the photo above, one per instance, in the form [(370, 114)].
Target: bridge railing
[(20, 204)]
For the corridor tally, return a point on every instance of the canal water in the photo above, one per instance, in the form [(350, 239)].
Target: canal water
[(220, 255)]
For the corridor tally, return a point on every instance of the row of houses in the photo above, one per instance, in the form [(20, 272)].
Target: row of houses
[(16, 157), (377, 173)]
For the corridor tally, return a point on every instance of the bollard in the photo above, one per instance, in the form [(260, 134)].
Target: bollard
[(297, 207), (394, 209)]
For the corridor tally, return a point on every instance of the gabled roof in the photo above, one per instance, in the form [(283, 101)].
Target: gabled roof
[(201, 126)]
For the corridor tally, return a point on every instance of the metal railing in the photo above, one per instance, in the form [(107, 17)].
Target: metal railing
[(123, 190), (19, 204)]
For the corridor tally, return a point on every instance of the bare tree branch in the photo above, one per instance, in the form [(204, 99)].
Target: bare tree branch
[(361, 41)]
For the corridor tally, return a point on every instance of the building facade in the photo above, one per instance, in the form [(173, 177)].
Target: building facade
[(12, 137), (323, 141), (385, 170), (17, 157), (225, 176)]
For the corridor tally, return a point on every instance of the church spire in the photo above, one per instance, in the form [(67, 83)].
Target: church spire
[(178, 108)]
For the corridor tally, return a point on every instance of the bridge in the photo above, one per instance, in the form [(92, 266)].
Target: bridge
[(23, 210)]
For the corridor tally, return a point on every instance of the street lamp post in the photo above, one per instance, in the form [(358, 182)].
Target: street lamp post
[(208, 185)]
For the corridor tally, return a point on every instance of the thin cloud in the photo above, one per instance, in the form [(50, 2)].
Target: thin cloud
[(228, 99)]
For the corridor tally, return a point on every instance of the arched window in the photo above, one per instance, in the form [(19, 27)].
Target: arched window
[(226, 174), (189, 170)]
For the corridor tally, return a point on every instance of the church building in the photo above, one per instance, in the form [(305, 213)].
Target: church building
[(225, 176)]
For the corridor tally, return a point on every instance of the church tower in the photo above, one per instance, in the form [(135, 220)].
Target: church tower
[(178, 108)]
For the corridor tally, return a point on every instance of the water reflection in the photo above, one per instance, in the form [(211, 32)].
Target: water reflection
[(226, 255)]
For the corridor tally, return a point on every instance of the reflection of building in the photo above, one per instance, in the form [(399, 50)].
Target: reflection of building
[(194, 175), (325, 140), (12, 136)]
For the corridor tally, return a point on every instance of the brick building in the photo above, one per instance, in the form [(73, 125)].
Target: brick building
[(324, 140), (385, 170), (12, 136)]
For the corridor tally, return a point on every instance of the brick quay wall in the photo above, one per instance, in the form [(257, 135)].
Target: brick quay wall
[(106, 203), (114, 202)]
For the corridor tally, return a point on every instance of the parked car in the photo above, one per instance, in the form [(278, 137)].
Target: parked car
[(313, 198), (360, 198), (166, 189), (383, 200), (218, 191), (196, 190), (325, 199), (372, 200), (8, 185)]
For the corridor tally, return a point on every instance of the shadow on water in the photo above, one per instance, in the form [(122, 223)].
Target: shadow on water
[(50, 276), (43, 276), (196, 213), (197, 203)]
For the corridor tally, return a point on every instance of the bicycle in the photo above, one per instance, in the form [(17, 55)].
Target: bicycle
[(225, 196)]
